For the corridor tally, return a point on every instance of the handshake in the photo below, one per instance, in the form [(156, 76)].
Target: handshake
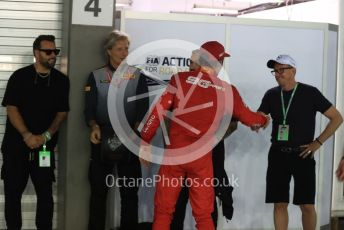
[(256, 127)]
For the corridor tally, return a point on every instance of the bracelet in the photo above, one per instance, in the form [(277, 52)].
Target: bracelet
[(47, 136), (317, 140)]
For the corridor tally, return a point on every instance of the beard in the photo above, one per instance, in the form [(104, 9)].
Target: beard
[(49, 64)]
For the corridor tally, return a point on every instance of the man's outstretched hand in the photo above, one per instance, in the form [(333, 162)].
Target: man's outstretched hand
[(256, 127)]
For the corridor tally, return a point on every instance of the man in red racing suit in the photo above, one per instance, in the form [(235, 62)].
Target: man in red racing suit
[(198, 101)]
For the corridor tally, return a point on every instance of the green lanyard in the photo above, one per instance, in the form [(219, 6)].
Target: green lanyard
[(285, 111)]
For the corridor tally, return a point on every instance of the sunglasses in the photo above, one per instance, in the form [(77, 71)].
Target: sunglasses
[(280, 70), (50, 51)]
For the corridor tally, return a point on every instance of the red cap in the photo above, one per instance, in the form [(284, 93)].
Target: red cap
[(216, 49)]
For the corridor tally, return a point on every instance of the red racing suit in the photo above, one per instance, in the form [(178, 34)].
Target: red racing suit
[(198, 102)]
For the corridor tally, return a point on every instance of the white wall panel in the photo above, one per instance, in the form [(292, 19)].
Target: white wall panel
[(251, 43)]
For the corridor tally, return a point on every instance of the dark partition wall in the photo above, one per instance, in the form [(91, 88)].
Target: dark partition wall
[(83, 52)]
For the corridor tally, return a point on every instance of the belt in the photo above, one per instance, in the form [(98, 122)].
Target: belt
[(286, 149)]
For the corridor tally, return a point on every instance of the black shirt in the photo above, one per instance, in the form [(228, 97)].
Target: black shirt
[(301, 116), (38, 101)]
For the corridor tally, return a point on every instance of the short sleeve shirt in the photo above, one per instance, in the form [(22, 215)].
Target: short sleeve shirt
[(38, 101), (307, 101)]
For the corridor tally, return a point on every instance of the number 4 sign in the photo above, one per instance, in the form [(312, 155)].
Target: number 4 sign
[(93, 12)]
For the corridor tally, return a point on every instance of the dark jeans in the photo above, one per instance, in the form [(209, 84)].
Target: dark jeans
[(219, 173), (128, 167), (15, 172)]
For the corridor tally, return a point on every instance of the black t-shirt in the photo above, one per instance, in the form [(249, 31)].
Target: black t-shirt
[(38, 101), (306, 102)]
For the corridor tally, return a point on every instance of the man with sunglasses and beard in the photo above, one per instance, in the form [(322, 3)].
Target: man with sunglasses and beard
[(293, 107), (37, 102)]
